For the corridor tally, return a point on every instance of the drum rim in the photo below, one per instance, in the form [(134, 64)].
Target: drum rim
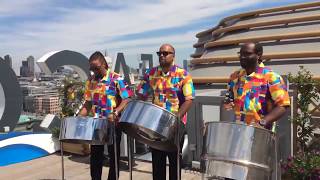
[(235, 123), (237, 161), (84, 117), (150, 103)]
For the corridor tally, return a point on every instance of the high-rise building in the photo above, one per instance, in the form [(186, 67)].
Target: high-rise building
[(24, 70), (27, 68), (30, 61), (8, 60)]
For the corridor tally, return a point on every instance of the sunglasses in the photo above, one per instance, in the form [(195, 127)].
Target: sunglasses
[(95, 68), (164, 53)]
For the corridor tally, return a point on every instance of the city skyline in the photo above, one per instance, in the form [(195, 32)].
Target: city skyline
[(36, 27)]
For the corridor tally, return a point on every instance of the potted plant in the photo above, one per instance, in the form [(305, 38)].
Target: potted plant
[(304, 165), (71, 95)]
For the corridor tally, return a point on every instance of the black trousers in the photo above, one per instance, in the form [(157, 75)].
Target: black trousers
[(96, 159), (159, 163)]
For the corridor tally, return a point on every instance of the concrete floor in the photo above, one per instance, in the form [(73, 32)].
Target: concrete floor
[(76, 168)]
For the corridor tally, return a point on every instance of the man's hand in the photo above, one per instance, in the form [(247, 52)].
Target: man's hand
[(276, 113), (228, 106), (85, 109), (111, 117), (141, 97), (257, 124)]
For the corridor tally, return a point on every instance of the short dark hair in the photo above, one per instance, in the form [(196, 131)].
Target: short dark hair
[(258, 48), (98, 56)]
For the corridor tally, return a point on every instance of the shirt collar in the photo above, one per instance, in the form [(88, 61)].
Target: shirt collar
[(171, 70), (106, 77), (244, 73)]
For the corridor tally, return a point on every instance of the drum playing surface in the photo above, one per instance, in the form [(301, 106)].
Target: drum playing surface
[(86, 130), (152, 125)]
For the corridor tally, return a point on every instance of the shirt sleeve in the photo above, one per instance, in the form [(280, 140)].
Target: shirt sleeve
[(232, 80), (143, 88), (124, 89), (187, 87), (231, 84), (278, 89), (87, 91)]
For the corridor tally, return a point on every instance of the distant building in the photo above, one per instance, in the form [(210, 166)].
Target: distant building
[(24, 70), (42, 96), (28, 104), (42, 104), (34, 94), (50, 104), (8, 60), (38, 104), (27, 68), (30, 61)]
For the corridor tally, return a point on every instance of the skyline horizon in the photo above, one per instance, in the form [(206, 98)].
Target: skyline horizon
[(37, 33)]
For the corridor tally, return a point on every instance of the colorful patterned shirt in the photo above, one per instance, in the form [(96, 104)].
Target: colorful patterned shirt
[(169, 90), (256, 94), (106, 93)]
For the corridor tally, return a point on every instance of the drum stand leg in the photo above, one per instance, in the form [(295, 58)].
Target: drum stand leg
[(276, 156), (129, 157), (62, 160), (178, 148), (115, 151)]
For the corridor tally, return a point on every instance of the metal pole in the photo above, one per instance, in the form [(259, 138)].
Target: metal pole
[(115, 150), (62, 161), (276, 155), (129, 157), (178, 148)]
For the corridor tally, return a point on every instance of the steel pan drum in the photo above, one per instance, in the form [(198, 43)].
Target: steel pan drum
[(86, 130), (151, 125), (237, 151)]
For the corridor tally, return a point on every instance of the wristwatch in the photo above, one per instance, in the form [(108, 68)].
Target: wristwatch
[(263, 122)]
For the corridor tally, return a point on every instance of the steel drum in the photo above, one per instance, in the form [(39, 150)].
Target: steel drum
[(237, 151), (151, 125), (87, 130)]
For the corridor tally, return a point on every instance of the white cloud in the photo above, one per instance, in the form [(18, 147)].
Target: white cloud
[(16, 7), (83, 28)]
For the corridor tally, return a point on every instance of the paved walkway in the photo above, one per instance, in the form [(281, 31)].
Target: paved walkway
[(76, 168)]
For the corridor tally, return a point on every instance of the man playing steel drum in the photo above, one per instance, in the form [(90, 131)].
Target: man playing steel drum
[(172, 89), (256, 93), (106, 95)]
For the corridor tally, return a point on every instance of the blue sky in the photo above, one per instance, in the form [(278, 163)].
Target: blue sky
[(35, 27)]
